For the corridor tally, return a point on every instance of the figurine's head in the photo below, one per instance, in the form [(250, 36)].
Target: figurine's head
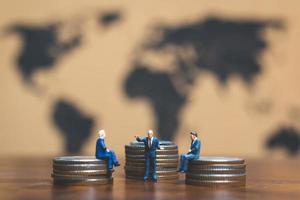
[(101, 134), (194, 135), (150, 134)]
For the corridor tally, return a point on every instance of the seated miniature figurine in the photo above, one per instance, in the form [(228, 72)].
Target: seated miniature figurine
[(104, 153), (151, 144), (193, 154)]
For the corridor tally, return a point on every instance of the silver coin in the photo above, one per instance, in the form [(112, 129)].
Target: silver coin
[(167, 166), (82, 172), (79, 176), (157, 156), (142, 148), (138, 167), (78, 160), (217, 160), (158, 152), (162, 170), (143, 160), (161, 142), (157, 167), (143, 164), (217, 171), (158, 177), (158, 161), (141, 175), (86, 181), (158, 164), (159, 173), (144, 167), (79, 166), (128, 169), (161, 159), (216, 166)]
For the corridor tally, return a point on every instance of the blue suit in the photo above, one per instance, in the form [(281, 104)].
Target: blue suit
[(194, 154), (150, 155), (101, 153)]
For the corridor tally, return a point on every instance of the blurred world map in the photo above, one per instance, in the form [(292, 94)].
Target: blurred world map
[(224, 48)]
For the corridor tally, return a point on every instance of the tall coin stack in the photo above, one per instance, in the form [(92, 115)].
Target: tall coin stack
[(166, 161), (216, 171), (80, 170)]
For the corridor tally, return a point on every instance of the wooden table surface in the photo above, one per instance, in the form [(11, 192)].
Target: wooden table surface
[(29, 178)]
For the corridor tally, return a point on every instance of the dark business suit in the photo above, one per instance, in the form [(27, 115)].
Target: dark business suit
[(150, 155), (194, 154), (101, 153)]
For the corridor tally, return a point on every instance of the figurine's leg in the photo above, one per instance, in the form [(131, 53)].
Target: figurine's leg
[(110, 162), (181, 162), (147, 167), (184, 162), (154, 177), (187, 158), (114, 158)]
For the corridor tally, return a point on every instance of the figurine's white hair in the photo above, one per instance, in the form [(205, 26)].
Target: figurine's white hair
[(150, 132), (101, 134)]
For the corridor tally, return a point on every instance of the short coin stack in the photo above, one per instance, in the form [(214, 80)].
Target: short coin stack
[(80, 170), (217, 171), (166, 161)]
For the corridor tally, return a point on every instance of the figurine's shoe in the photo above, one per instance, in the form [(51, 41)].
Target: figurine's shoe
[(110, 170), (117, 164), (145, 178)]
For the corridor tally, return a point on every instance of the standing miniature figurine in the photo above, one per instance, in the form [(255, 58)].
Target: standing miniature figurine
[(193, 154), (104, 153), (151, 144)]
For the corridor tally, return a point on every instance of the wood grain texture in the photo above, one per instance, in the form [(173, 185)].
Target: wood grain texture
[(29, 178)]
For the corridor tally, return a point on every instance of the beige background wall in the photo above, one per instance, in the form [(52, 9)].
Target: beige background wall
[(234, 119)]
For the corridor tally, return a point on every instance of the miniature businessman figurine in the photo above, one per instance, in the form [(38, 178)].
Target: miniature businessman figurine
[(151, 145), (104, 153), (193, 154)]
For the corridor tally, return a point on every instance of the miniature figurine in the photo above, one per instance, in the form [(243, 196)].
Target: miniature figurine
[(193, 154), (151, 144), (104, 153)]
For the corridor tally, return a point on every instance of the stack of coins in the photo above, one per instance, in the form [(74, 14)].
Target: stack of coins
[(217, 171), (166, 161), (80, 170)]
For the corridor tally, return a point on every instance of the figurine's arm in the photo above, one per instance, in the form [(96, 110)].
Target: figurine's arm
[(196, 147), (102, 143), (97, 148), (139, 139), (199, 146)]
